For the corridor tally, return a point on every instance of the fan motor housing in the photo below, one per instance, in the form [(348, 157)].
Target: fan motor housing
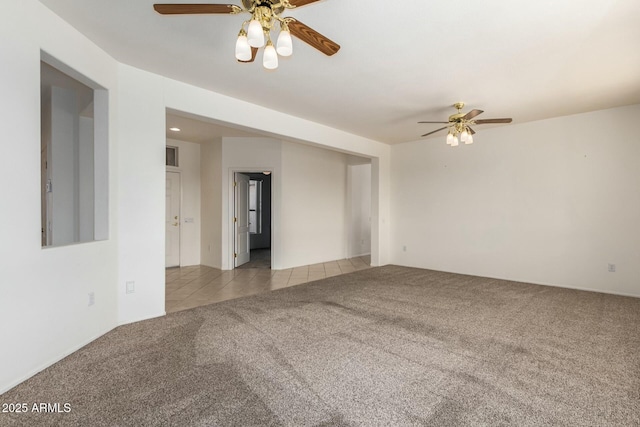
[(456, 117), (279, 7)]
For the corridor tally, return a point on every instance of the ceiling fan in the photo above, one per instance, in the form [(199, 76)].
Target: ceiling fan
[(460, 124), (265, 14)]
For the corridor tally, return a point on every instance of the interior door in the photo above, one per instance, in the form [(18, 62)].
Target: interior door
[(241, 219), (172, 221)]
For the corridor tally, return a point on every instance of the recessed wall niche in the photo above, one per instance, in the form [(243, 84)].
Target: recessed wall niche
[(74, 156)]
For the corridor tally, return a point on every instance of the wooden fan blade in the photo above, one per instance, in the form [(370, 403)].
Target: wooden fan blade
[(471, 114), (471, 131), (435, 122), (482, 122), (179, 9), (254, 52), (312, 37), (437, 130), (299, 3)]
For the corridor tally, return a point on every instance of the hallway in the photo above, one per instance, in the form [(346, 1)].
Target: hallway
[(193, 286)]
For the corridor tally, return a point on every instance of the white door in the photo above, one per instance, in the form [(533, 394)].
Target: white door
[(241, 219), (172, 221)]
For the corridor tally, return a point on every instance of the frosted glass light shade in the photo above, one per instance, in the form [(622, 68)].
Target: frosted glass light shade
[(255, 34), (455, 142), (270, 57), (464, 135), (285, 44), (449, 139), (243, 50), (469, 139)]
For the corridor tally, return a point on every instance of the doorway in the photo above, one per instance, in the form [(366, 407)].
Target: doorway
[(172, 220), (252, 220)]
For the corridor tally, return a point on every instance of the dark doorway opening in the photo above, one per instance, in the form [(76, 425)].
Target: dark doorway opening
[(260, 219)]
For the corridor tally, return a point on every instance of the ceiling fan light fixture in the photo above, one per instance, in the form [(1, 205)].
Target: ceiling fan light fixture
[(265, 18), (459, 125), (255, 34), (449, 138), (243, 49), (270, 57), (285, 44)]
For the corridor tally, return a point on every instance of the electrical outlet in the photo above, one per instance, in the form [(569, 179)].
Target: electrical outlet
[(131, 287), (92, 298), (404, 249), (612, 268)]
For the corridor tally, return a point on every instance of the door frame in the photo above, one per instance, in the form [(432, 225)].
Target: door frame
[(173, 169), (231, 204)]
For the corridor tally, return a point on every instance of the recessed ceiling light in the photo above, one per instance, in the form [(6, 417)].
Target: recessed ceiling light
[(174, 129)]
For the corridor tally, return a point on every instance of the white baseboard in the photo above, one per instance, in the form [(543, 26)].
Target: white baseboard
[(153, 316), (355, 256), (519, 280)]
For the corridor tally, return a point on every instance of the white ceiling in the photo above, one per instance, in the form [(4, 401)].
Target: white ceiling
[(400, 62), (200, 130)]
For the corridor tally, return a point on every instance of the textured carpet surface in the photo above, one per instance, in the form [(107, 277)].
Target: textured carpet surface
[(384, 346)]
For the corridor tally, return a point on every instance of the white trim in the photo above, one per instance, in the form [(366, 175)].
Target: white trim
[(528, 282), (364, 254), (141, 319)]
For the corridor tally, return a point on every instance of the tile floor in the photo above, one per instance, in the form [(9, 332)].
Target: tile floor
[(189, 287)]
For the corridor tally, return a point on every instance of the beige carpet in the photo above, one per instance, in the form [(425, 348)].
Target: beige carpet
[(384, 346)]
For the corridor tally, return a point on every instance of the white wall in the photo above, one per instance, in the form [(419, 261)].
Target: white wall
[(359, 209), (381, 210), (86, 180), (141, 194), (143, 99), (44, 312), (549, 202), (229, 111), (309, 192), (64, 166), (308, 198), (189, 168), (211, 203), (314, 183)]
